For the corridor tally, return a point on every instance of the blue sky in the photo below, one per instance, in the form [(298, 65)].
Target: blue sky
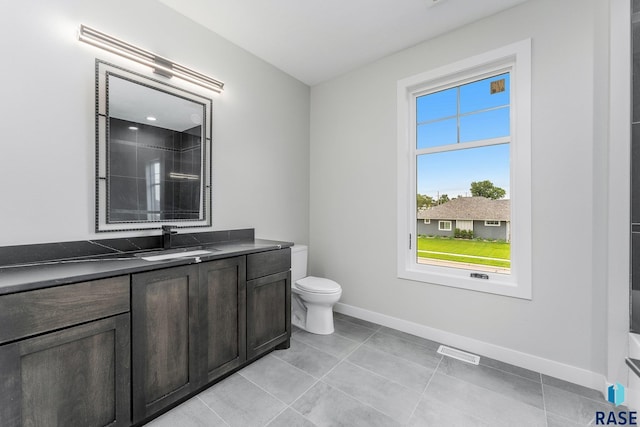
[(482, 115), (453, 172)]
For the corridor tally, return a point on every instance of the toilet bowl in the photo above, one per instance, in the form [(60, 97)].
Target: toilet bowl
[(312, 298)]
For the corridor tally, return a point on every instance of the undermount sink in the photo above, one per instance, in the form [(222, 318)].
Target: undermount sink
[(162, 255)]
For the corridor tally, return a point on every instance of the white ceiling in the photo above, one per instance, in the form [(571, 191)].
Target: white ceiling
[(315, 40)]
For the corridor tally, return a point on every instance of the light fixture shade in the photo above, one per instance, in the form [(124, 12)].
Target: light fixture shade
[(160, 65)]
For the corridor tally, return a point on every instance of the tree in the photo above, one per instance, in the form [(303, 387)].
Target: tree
[(424, 201), (443, 199), (487, 189)]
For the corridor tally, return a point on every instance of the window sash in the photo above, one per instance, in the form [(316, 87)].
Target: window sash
[(515, 58), (444, 225)]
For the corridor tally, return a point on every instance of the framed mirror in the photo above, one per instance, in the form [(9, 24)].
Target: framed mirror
[(153, 152)]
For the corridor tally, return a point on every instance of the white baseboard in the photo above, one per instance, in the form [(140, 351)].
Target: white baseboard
[(549, 367)]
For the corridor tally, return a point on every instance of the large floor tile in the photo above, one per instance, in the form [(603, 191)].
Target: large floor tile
[(386, 396), (326, 406), (572, 406), (351, 330), (309, 359), (433, 413), (241, 403), (333, 344), (402, 371), (281, 379), (290, 418), (510, 385), (192, 413), (493, 408), (404, 349)]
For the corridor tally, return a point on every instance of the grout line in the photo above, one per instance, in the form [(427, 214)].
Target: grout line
[(293, 366), (272, 419), (303, 393), (360, 401), (508, 372), (286, 405), (263, 389), (425, 345), (422, 395), (544, 403), (211, 409), (324, 351), (378, 327), (599, 400)]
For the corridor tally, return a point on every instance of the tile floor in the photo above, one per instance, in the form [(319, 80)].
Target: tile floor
[(369, 375)]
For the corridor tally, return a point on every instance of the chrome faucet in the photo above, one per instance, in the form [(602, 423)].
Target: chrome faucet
[(167, 232)]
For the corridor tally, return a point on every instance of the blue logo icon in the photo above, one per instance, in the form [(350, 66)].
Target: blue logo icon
[(616, 394)]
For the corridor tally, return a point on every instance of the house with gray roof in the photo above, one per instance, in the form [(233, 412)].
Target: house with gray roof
[(486, 218)]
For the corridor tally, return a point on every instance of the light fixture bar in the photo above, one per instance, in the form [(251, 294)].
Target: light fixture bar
[(160, 65), (178, 175)]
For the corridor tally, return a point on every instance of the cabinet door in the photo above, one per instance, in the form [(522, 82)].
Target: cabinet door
[(164, 316), (223, 315), (268, 312), (79, 376)]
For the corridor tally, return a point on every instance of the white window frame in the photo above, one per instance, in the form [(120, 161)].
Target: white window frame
[(516, 59), (427, 221), (442, 228), (489, 223)]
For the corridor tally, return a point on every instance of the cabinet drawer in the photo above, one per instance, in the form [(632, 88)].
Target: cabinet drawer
[(29, 313), (266, 263)]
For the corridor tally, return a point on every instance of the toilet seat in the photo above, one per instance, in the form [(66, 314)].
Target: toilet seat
[(318, 285)]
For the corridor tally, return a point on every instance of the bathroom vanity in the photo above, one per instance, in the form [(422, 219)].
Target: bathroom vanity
[(109, 338)]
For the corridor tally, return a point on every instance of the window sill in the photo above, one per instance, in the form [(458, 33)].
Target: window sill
[(496, 283)]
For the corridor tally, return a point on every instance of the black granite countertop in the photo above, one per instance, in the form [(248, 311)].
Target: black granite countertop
[(29, 267)]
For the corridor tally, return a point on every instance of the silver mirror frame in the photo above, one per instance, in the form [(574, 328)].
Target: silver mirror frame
[(103, 71)]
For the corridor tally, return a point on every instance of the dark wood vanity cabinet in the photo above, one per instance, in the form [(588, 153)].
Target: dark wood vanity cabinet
[(268, 301), (164, 358), (64, 355)]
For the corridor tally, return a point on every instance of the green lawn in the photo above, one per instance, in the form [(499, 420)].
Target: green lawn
[(455, 249)]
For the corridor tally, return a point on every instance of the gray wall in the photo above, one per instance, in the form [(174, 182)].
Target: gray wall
[(353, 143), (490, 232), (260, 128), (479, 230)]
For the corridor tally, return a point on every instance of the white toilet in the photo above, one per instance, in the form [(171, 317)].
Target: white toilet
[(312, 298)]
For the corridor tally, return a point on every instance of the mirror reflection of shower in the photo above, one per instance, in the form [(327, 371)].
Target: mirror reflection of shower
[(155, 154)]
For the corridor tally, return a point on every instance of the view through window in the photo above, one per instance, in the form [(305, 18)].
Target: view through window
[(463, 191)]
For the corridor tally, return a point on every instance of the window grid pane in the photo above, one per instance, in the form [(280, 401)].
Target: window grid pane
[(444, 177), (470, 112)]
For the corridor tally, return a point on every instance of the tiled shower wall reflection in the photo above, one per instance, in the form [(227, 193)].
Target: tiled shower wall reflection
[(155, 172)]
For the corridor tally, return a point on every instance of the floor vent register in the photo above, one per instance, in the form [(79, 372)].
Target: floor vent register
[(459, 354)]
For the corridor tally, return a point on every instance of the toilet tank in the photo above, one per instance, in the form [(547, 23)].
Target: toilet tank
[(298, 262)]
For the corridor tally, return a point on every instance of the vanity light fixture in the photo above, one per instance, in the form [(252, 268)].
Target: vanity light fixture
[(178, 175), (160, 65)]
